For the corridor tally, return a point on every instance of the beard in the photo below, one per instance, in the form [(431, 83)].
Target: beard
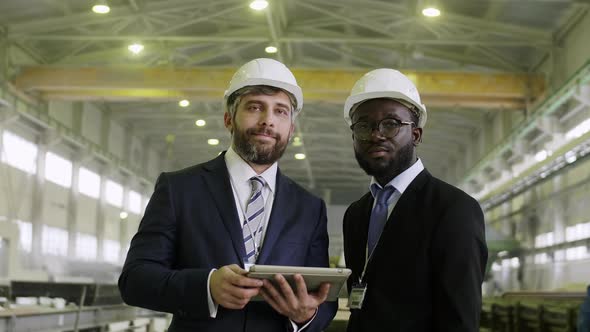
[(255, 152), (386, 170)]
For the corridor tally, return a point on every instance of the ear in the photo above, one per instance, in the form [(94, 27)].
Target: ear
[(227, 121), (417, 135)]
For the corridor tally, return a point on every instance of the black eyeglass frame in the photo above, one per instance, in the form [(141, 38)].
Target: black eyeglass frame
[(364, 136)]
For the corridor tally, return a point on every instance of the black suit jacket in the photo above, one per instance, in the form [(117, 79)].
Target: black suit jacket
[(191, 226), (427, 269)]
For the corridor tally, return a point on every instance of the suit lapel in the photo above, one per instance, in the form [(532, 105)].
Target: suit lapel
[(361, 222), (402, 212), (408, 202), (278, 216), (217, 180)]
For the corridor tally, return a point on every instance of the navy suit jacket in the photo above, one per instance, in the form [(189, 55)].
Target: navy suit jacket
[(427, 269), (191, 226)]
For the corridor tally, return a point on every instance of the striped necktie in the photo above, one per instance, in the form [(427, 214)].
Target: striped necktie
[(253, 224)]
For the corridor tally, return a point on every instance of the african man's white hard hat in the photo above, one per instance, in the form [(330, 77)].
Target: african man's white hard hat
[(384, 83), (264, 71)]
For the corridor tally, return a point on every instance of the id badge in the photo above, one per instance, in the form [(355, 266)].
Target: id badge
[(357, 296)]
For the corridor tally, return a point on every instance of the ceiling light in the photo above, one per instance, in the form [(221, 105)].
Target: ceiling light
[(135, 48), (297, 141), (213, 141), (541, 155), (184, 103), (417, 55), (123, 215), (259, 4), (271, 49), (200, 123), (299, 156), (570, 157), (101, 8), (431, 12)]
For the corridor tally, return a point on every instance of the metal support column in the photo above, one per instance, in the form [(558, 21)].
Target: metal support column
[(124, 222), (38, 202), (4, 47), (72, 207), (101, 215)]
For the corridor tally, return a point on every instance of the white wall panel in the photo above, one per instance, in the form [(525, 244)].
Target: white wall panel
[(86, 215), (16, 192), (61, 111), (117, 143), (91, 121), (55, 205), (112, 221)]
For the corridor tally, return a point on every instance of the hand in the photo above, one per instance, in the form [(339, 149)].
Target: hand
[(298, 305), (231, 289)]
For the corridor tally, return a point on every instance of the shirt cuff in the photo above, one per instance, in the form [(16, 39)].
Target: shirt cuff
[(210, 302), (296, 327)]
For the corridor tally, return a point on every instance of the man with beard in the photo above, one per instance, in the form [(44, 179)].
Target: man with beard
[(415, 244), (204, 225)]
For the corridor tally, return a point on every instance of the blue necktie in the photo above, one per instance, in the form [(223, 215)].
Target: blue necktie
[(378, 215), (253, 224)]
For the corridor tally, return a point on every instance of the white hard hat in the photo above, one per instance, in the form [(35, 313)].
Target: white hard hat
[(264, 71), (385, 83)]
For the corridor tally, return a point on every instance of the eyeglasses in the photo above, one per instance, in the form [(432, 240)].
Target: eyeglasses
[(388, 128)]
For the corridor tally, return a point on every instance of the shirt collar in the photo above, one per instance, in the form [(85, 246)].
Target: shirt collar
[(240, 171), (400, 182)]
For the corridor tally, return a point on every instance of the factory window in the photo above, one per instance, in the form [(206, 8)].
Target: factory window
[(54, 241), (541, 258), (513, 262), (577, 232), (89, 183), (58, 170), (544, 240), (578, 130), (559, 255), (19, 153), (134, 202), (86, 247), (114, 194), (111, 251), (575, 253), (25, 230)]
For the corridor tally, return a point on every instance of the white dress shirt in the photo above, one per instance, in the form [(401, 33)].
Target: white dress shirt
[(400, 183), (240, 173)]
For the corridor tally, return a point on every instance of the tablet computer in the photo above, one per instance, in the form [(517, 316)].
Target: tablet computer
[(313, 277)]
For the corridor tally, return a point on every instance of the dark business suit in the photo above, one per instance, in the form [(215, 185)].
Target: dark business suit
[(427, 269), (191, 226)]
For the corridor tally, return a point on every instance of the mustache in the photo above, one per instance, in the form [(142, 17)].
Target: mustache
[(263, 131), (378, 146)]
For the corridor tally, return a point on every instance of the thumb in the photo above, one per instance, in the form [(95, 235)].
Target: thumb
[(237, 269)]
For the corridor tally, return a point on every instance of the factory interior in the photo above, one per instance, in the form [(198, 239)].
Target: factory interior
[(98, 97)]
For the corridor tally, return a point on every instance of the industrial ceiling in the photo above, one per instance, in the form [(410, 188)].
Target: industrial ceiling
[(477, 58)]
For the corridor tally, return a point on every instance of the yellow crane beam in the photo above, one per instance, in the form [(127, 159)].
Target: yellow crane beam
[(438, 89)]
